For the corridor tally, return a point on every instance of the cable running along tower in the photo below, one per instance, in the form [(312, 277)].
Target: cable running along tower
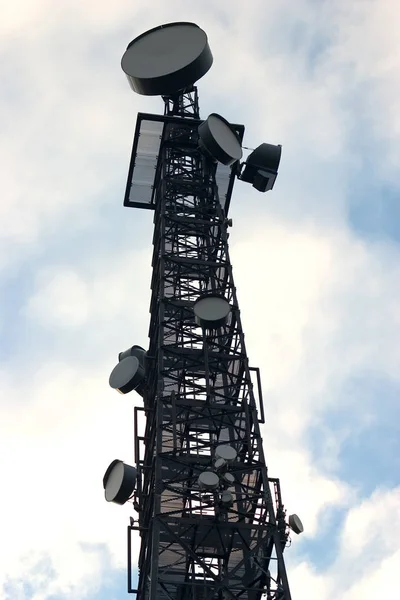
[(211, 521)]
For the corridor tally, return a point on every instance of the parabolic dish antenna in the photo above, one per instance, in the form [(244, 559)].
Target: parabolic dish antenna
[(226, 498), (219, 463), (295, 524), (211, 311), (219, 140), (226, 452), (208, 480), (228, 478), (167, 59), (127, 375), (119, 482)]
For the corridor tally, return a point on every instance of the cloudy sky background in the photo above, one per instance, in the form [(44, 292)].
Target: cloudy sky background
[(316, 264)]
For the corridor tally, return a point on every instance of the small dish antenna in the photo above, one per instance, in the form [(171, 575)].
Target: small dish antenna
[(226, 452), (211, 311), (295, 524), (219, 141), (226, 498), (119, 482), (228, 478), (208, 480), (127, 375)]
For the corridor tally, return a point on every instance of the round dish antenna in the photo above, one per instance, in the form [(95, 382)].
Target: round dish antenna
[(219, 464), (228, 453), (295, 524), (167, 59), (119, 482), (208, 480), (211, 311), (127, 375), (228, 478), (218, 140), (226, 498)]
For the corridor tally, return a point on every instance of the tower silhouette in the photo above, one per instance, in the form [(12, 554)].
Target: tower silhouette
[(211, 521)]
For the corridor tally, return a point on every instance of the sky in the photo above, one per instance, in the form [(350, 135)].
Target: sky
[(316, 264)]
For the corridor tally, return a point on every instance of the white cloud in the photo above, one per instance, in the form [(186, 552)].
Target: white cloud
[(305, 583), (99, 292), (372, 529), (58, 435), (326, 302), (380, 580), (62, 299), (368, 559), (306, 490)]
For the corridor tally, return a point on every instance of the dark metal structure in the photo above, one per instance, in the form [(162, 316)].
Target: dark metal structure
[(211, 520)]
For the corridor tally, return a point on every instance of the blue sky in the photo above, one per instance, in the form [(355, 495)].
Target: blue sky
[(316, 264)]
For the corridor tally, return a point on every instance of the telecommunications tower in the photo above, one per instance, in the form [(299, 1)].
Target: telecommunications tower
[(211, 521)]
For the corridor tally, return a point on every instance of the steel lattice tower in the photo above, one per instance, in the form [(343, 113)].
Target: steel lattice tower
[(211, 521)]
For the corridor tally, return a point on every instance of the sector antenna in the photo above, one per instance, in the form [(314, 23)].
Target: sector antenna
[(210, 519)]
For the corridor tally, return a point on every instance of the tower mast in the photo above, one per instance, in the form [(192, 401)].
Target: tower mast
[(211, 521)]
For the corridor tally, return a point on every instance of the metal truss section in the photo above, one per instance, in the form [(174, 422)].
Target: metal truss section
[(196, 543), (183, 105), (151, 134)]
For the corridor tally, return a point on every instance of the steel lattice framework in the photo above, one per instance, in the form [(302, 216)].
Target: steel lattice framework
[(199, 394)]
